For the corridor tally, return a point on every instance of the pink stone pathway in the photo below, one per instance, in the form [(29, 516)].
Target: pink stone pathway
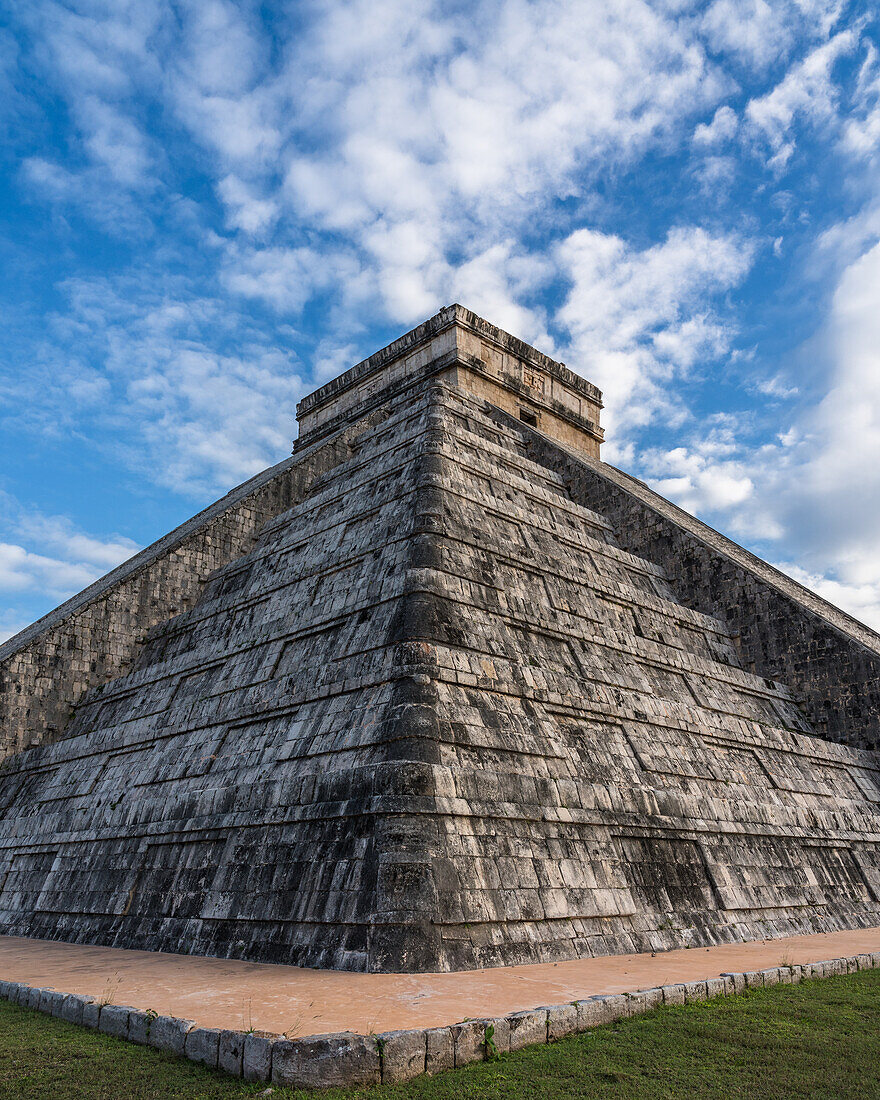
[(229, 993)]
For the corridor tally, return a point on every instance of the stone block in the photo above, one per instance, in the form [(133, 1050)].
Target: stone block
[(468, 1038), (784, 975), (140, 1024), (91, 1014), (34, 997), (694, 992), (4, 990), (875, 959), (715, 987), (169, 1033), (256, 1062), (501, 1034), (72, 1007), (527, 1028), (612, 1007), (53, 1003), (439, 1049), (561, 1021), (202, 1044), (673, 994), (230, 1052), (24, 995), (864, 962), (114, 1020), (403, 1055), (326, 1061), (754, 979), (643, 1000), (770, 975)]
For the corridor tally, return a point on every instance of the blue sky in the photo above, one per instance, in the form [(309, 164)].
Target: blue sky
[(209, 208)]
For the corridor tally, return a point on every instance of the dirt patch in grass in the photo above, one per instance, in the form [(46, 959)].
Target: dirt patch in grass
[(819, 1040)]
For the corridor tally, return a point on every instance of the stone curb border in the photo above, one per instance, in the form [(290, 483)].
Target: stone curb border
[(344, 1059)]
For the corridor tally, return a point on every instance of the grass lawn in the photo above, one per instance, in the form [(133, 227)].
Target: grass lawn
[(818, 1040)]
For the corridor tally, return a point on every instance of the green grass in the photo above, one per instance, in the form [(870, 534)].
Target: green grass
[(819, 1040)]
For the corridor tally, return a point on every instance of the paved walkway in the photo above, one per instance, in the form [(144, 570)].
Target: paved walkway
[(233, 994)]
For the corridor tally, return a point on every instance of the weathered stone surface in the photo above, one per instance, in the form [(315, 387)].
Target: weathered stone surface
[(257, 1056), (643, 1000), (326, 1061), (439, 1049), (739, 981), (91, 1014), (562, 1020), (72, 1007), (169, 1033), (202, 1044), (549, 708), (403, 1055), (715, 987), (527, 1028), (674, 994), (694, 991), (230, 1052), (468, 1038), (114, 1020), (49, 1000), (140, 1024)]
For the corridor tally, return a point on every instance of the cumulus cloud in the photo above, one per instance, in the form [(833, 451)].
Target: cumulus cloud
[(636, 319), (50, 555)]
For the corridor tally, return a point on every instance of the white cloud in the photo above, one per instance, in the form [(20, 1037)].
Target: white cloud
[(722, 128), (760, 32), (637, 319), (245, 209), (50, 554), (807, 92)]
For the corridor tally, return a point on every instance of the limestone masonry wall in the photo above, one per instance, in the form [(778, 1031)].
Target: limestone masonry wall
[(97, 635), (781, 630)]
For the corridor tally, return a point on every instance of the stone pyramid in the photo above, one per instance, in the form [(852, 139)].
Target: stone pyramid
[(441, 691)]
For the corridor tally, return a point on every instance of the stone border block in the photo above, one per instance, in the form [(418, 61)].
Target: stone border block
[(403, 1055), (562, 1020), (91, 1015), (501, 1035), (440, 1049), (114, 1020), (527, 1028), (738, 979), (613, 1007), (326, 1061), (468, 1037), (140, 1024), (695, 992), (169, 1033), (673, 994), (50, 1002), (770, 975), (256, 1063), (715, 987), (754, 979), (202, 1044), (230, 1052), (643, 1000)]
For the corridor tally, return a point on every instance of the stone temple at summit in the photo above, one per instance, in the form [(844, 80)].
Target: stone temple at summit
[(441, 691)]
